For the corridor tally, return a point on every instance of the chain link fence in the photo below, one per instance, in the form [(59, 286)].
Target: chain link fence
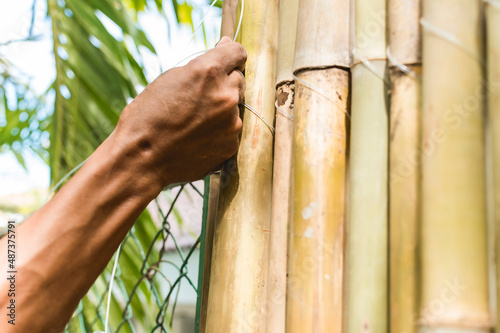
[(155, 288)]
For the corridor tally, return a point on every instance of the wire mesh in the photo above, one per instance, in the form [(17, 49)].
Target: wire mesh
[(159, 256)]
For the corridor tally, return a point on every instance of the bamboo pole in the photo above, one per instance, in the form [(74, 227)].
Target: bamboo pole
[(288, 12), (228, 26), (367, 296), (404, 165), (493, 70), (454, 251), (237, 295), (316, 236)]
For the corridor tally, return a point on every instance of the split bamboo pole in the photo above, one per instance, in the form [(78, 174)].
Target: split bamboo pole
[(316, 236), (367, 243), (454, 296), (237, 294), (493, 66), (288, 11), (228, 26), (404, 166)]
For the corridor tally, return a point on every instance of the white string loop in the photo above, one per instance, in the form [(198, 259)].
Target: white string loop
[(251, 109), (450, 38), (493, 3), (284, 113), (402, 67), (370, 66)]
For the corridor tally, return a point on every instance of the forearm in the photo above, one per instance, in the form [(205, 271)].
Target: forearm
[(64, 246)]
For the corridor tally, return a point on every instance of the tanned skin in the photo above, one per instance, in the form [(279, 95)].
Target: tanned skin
[(181, 127)]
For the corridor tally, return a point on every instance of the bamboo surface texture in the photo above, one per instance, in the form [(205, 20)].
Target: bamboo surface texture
[(288, 12), (317, 197), (367, 236), (493, 66), (454, 250), (315, 272), (237, 296), (228, 26), (404, 164)]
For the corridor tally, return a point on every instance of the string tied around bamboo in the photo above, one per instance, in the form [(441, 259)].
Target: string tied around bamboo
[(402, 67), (450, 38), (284, 113), (368, 65), (322, 93), (494, 3)]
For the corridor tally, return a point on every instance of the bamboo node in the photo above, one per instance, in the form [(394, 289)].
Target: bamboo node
[(372, 69), (400, 65), (322, 93), (494, 3), (284, 113)]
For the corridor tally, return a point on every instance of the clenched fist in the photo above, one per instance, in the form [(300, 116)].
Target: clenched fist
[(186, 123)]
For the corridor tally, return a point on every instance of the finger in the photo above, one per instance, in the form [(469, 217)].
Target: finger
[(224, 40), (230, 55), (237, 79)]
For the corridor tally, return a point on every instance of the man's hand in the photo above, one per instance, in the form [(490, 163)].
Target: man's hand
[(180, 128), (187, 121)]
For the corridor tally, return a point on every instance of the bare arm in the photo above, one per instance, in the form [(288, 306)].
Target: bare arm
[(181, 127)]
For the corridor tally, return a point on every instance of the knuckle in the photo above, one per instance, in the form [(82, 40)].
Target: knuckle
[(211, 69), (242, 51)]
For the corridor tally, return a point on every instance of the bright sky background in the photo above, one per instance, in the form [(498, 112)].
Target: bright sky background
[(35, 58)]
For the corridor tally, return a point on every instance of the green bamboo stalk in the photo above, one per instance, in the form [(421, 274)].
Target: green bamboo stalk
[(404, 165), (493, 66), (367, 267), (317, 197), (454, 265), (237, 295)]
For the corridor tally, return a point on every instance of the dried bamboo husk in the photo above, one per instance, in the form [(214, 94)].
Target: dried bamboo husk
[(493, 70), (404, 166), (237, 295), (288, 13), (317, 197), (454, 296), (367, 236), (228, 26)]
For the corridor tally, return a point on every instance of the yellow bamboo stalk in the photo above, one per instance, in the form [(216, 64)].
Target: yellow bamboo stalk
[(237, 294), (404, 166), (367, 296), (228, 25), (454, 251), (282, 166), (493, 70), (316, 236)]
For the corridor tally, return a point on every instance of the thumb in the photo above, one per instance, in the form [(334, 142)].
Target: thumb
[(224, 40)]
